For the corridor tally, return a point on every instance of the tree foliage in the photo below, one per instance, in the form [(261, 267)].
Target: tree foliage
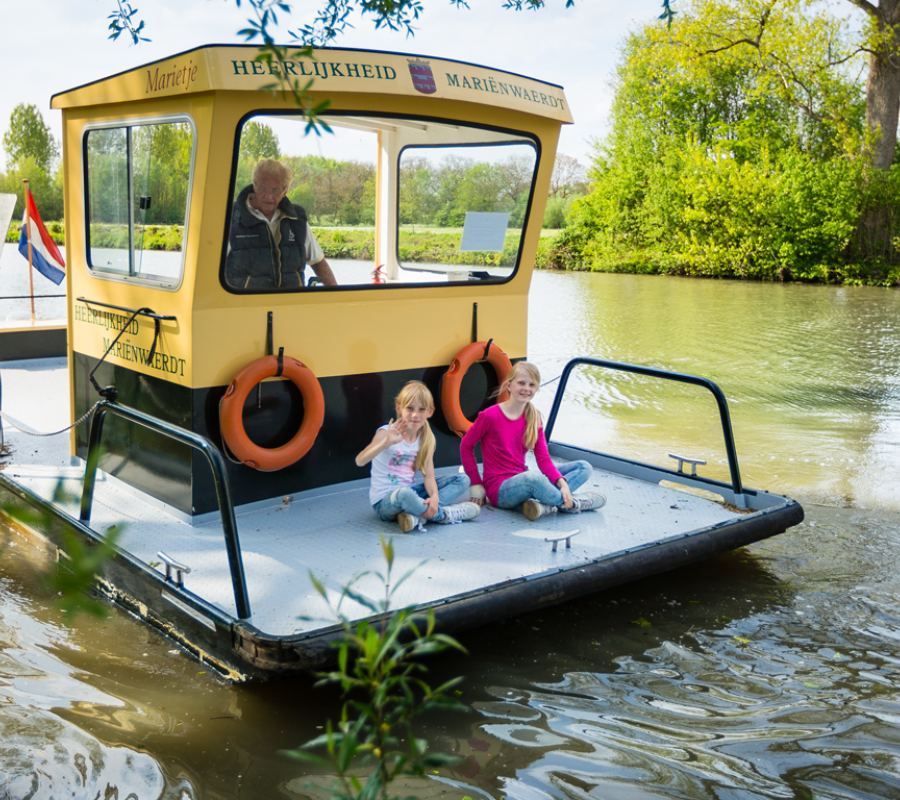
[(258, 141), (439, 195), (32, 154), (30, 137), (336, 192), (795, 51), (718, 164), (160, 168), (795, 71), (332, 17), (46, 189)]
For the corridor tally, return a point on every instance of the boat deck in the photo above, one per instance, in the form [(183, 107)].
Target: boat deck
[(332, 532)]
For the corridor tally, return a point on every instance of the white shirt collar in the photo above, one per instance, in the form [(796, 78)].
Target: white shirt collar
[(272, 223)]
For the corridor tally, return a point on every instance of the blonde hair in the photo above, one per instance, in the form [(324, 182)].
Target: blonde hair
[(417, 392), (274, 169), (532, 417)]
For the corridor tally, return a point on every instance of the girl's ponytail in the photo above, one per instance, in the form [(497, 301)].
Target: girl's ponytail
[(532, 426), (417, 392), (426, 446)]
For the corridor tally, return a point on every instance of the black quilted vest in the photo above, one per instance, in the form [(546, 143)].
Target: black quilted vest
[(254, 262)]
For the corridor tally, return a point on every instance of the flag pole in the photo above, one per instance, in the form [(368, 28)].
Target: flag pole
[(28, 239)]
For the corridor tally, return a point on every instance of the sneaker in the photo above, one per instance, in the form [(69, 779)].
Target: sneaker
[(532, 509), (459, 513), (407, 522), (592, 502)]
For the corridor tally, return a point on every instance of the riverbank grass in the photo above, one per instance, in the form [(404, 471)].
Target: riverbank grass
[(562, 249), (416, 244)]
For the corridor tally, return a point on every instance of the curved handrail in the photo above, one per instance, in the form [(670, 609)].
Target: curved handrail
[(652, 372), (216, 462)]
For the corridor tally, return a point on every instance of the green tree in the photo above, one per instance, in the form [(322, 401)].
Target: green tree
[(258, 141), (46, 189), (29, 136), (356, 188), (806, 54), (161, 169), (798, 54), (419, 188), (479, 190), (514, 175), (712, 166), (568, 177)]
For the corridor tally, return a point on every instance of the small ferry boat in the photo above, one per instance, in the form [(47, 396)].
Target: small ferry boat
[(215, 421)]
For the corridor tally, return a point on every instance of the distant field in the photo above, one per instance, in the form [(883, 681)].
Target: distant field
[(422, 245), (545, 232), (164, 232)]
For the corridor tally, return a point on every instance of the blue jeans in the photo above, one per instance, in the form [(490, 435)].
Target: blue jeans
[(535, 486), (411, 499)]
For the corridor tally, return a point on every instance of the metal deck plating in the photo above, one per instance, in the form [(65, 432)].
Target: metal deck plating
[(471, 573)]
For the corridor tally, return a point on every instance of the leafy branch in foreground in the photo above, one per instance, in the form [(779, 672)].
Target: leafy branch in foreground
[(120, 21), (79, 564), (380, 673), (277, 59), (331, 20)]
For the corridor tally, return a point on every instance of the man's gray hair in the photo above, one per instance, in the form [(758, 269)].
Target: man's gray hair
[(274, 169)]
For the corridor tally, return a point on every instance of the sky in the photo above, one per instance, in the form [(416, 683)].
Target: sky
[(576, 48)]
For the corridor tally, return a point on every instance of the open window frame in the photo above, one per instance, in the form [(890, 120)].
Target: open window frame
[(394, 135)]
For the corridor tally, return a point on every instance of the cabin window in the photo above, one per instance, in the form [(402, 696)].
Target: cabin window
[(137, 186), (389, 201), (475, 197)]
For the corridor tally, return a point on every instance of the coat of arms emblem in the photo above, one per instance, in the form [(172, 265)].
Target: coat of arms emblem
[(422, 76)]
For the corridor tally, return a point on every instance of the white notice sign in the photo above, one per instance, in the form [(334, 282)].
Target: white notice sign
[(7, 204), (484, 231)]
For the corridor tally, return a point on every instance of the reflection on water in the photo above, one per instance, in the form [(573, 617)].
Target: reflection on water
[(812, 375), (765, 675), (770, 672), (14, 283), (42, 752)]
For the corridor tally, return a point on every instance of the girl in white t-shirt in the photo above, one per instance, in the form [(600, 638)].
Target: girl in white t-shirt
[(398, 451)]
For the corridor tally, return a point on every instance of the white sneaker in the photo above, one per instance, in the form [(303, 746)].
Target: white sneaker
[(532, 509), (407, 522), (592, 502), (461, 512)]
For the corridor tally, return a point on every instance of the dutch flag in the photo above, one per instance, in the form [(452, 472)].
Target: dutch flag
[(45, 255)]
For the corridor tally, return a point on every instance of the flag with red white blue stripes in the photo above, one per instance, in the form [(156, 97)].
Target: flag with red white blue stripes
[(45, 255)]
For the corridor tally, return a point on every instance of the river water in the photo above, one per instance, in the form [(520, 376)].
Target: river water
[(772, 672)]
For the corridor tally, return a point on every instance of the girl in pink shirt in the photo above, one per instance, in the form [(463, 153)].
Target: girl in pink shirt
[(507, 431)]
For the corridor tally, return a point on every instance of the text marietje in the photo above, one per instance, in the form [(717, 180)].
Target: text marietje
[(181, 76)]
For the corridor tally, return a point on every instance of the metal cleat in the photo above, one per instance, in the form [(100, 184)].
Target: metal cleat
[(171, 564), (562, 536), (682, 460)]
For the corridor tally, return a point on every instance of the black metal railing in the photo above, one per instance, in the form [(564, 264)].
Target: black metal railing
[(652, 372), (216, 462), (143, 312)]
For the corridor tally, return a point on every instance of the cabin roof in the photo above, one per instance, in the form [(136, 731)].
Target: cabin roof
[(333, 71)]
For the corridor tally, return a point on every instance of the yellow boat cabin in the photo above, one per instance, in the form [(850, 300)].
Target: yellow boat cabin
[(174, 144)]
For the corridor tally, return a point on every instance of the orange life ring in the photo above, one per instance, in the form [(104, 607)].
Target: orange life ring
[(231, 414), (454, 376)]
